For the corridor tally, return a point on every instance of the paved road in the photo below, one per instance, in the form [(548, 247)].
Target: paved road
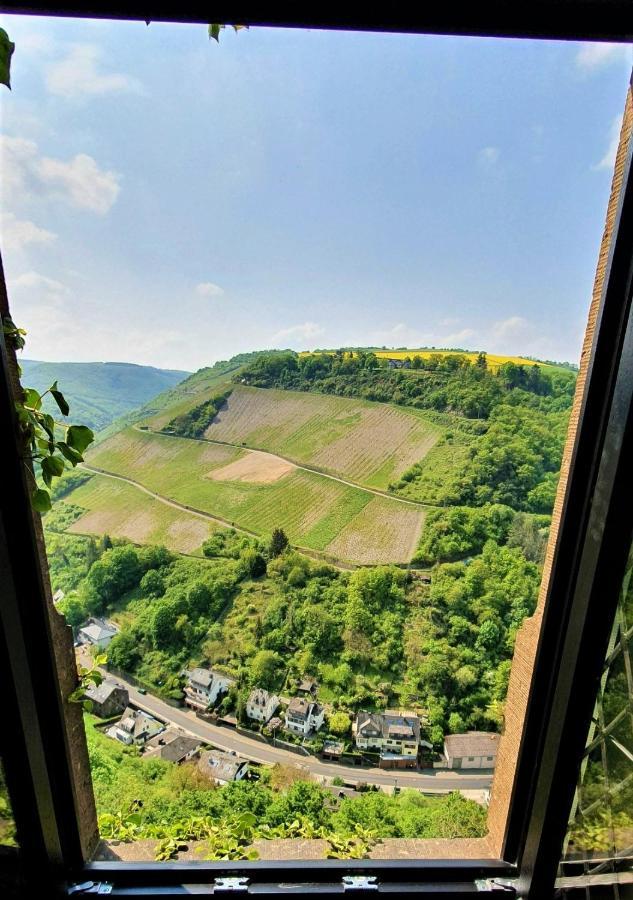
[(227, 739)]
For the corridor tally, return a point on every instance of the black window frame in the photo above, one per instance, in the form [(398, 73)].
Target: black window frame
[(590, 555)]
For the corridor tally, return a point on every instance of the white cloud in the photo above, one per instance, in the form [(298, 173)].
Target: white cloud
[(208, 289), (80, 74), (35, 281), (79, 181), (608, 160), (597, 56), (512, 329), (489, 156), (299, 334), (17, 233)]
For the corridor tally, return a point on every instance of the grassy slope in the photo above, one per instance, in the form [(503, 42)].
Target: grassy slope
[(369, 443), (312, 509), (121, 510), (98, 393), (159, 410)]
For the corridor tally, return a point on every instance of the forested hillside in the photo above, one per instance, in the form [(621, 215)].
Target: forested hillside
[(100, 392)]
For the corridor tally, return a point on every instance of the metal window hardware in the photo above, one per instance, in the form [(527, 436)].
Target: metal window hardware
[(239, 883), (494, 885), (360, 883)]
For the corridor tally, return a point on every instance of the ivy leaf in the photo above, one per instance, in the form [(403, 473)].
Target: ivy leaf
[(32, 398), (59, 399), (6, 52), (214, 32), (41, 500), (52, 467), (78, 437), (87, 705), (71, 455)]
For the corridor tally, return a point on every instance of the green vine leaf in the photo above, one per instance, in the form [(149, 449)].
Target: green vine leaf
[(59, 399), (6, 52), (78, 437), (41, 500), (214, 30), (40, 434), (13, 334)]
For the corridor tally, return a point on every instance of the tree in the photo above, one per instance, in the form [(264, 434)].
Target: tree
[(265, 669), (339, 723), (251, 563), (278, 542), (152, 584)]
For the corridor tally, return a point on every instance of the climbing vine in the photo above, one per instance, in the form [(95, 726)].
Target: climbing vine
[(48, 446)]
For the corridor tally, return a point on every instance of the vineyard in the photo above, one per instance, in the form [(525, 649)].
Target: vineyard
[(256, 492), (368, 443)]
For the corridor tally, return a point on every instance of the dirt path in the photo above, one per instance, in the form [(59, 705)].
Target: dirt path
[(339, 564), (297, 465)]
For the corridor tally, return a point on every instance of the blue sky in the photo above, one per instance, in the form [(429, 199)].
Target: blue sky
[(172, 202)]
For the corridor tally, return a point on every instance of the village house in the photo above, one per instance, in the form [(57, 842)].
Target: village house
[(173, 746), (96, 632), (304, 716), (204, 687), (307, 687), (261, 706), (135, 727), (107, 699), (395, 735), (399, 363), (472, 750), (223, 767)]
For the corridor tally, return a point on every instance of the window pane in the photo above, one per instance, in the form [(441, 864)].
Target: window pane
[(7, 824), (301, 570), (602, 825)]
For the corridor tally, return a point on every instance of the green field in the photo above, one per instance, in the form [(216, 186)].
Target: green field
[(368, 443), (122, 510), (250, 490)]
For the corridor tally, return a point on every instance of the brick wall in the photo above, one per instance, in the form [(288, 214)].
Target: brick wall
[(528, 636)]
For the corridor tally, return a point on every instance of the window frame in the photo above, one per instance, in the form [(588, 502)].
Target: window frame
[(592, 544)]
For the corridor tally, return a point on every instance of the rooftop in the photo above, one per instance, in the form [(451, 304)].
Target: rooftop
[(472, 743)]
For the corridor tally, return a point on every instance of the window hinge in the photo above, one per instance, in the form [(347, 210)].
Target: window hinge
[(240, 883), (360, 883), (495, 885), (90, 887)]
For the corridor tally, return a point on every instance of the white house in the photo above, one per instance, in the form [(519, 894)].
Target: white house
[(97, 632), (472, 750), (223, 767), (135, 727), (204, 687), (304, 716), (261, 706)]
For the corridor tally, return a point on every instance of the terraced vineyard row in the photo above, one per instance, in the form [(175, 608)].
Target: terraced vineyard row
[(251, 490), (121, 510), (369, 443)]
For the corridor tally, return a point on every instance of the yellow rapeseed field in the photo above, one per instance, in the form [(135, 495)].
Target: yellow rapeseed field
[(494, 360)]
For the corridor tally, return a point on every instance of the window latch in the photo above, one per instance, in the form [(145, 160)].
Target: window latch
[(239, 883), (360, 883)]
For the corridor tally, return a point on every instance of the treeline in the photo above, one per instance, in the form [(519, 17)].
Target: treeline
[(195, 422), (446, 383)]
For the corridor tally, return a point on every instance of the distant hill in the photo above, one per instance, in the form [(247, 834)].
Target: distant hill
[(100, 392)]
